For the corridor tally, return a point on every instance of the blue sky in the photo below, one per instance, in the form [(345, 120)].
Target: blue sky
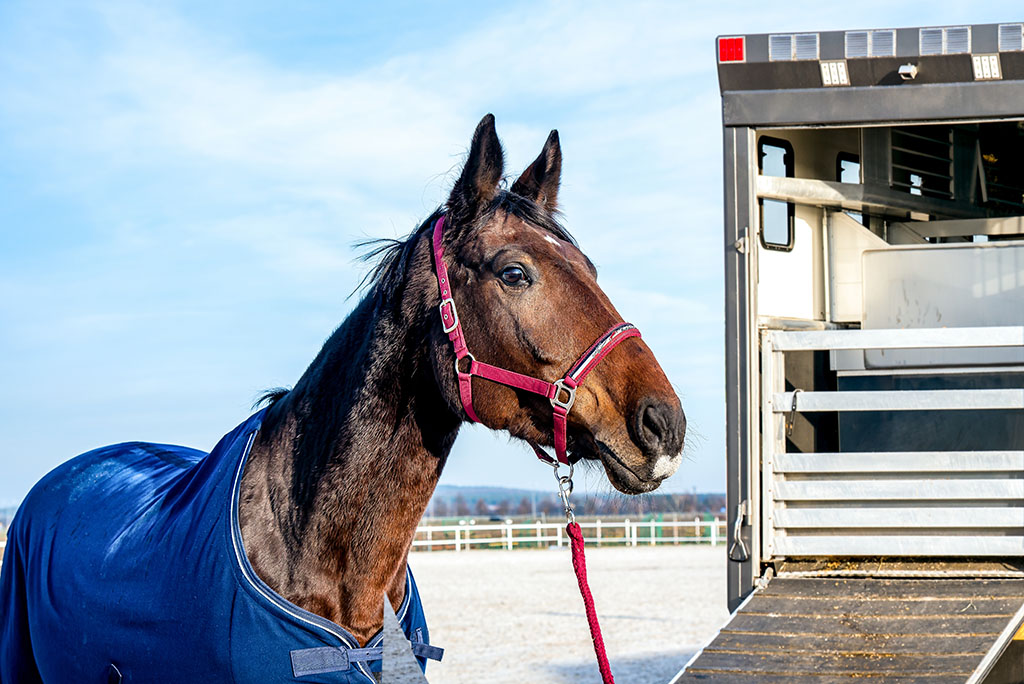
[(181, 187)]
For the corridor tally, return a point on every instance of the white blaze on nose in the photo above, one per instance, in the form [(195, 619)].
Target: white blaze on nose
[(665, 466)]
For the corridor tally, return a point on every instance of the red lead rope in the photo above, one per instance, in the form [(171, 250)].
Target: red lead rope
[(579, 564)]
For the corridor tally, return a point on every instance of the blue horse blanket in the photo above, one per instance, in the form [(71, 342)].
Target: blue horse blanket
[(126, 564)]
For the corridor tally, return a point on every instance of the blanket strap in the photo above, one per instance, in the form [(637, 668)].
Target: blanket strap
[(324, 659)]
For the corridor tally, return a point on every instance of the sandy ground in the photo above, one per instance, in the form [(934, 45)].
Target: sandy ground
[(507, 617)]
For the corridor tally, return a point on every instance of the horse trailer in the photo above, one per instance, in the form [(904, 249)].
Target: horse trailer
[(874, 265)]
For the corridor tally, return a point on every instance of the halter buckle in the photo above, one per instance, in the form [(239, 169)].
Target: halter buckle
[(556, 400), (444, 316)]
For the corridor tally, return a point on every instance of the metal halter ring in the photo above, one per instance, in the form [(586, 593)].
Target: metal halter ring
[(556, 400), (472, 360)]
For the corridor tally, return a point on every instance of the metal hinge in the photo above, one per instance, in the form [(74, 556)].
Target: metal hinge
[(762, 581)]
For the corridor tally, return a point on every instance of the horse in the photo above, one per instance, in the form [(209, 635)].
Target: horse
[(268, 558)]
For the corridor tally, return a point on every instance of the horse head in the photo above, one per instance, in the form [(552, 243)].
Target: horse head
[(528, 301)]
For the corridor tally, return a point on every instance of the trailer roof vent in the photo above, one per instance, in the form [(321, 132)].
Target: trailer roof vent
[(1011, 37), (806, 46), (870, 44), (931, 41), (883, 43), (780, 48), (856, 44), (958, 40), (787, 46), (955, 40)]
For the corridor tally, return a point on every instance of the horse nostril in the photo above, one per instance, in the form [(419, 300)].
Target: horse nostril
[(661, 427)]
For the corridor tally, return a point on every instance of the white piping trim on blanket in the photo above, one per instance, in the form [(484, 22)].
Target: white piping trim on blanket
[(242, 560)]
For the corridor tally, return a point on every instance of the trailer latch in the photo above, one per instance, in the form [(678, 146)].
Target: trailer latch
[(738, 551), (791, 416)]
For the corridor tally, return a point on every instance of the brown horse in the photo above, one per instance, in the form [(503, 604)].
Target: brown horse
[(345, 463)]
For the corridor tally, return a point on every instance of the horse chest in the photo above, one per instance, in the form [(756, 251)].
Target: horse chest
[(125, 564)]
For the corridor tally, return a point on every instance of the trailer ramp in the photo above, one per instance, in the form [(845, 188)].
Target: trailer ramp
[(829, 629)]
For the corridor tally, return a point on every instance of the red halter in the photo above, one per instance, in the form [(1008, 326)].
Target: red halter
[(561, 393)]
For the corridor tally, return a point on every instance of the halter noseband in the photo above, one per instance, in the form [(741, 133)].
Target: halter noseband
[(561, 393)]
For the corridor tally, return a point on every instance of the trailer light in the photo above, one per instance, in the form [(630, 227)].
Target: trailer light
[(908, 72), (986, 67), (731, 49), (1011, 37), (834, 74)]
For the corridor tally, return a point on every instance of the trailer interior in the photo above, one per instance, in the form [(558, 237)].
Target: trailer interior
[(874, 251)]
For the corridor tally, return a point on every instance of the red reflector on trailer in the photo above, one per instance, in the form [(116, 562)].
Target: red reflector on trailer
[(730, 49)]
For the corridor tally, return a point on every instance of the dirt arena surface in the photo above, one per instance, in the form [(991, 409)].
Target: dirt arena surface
[(508, 617)]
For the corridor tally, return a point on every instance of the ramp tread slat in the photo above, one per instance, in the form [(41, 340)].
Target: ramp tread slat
[(884, 607), (889, 588), (799, 664), (838, 629), (821, 678), (853, 624), (854, 643)]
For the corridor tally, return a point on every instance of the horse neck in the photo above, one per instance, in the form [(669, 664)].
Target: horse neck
[(339, 479)]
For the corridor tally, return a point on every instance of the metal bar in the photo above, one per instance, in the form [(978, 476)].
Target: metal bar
[(917, 489), (905, 150), (1011, 225), (773, 440), (856, 197), (908, 338), (901, 517), (919, 400), (901, 462), (873, 106), (903, 545), (921, 172), (918, 136), (997, 648)]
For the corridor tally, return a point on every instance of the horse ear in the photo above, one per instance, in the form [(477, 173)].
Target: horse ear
[(478, 183), (540, 180)]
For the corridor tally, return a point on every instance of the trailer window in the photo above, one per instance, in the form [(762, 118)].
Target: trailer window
[(775, 158), (848, 171)]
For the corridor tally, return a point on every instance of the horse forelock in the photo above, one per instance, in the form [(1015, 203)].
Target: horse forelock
[(386, 280)]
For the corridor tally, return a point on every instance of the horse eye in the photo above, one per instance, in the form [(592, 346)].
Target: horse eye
[(513, 275)]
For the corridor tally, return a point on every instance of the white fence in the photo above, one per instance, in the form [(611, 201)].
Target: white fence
[(508, 534)]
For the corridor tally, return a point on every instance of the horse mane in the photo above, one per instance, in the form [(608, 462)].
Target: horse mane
[(385, 281)]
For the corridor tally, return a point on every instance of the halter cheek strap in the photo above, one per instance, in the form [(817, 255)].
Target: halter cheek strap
[(561, 393)]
